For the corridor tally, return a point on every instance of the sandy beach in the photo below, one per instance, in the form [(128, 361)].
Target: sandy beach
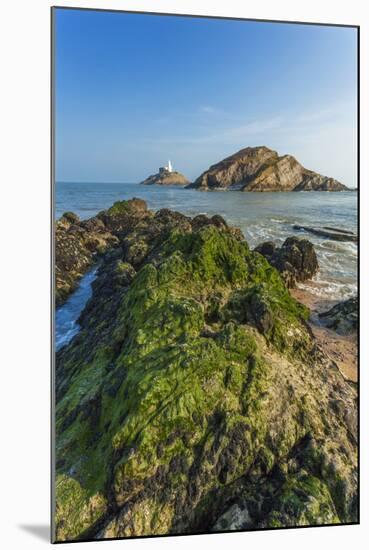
[(342, 349)]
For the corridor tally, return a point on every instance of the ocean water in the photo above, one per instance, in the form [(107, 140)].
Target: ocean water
[(66, 316), (261, 216)]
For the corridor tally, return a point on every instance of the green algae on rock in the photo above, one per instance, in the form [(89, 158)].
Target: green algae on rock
[(194, 397)]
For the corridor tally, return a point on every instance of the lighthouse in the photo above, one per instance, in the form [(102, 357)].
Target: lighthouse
[(168, 168)]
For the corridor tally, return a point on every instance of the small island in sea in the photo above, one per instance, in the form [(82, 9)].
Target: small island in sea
[(166, 176), (262, 169)]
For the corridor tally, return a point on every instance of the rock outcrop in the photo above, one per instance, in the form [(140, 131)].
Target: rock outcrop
[(328, 233), (195, 398), (166, 178), (296, 259), (343, 317), (78, 244), (262, 169)]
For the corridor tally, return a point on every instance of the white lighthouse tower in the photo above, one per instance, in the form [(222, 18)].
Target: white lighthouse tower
[(169, 167)]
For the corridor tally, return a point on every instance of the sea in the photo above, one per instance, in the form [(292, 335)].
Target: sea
[(261, 216)]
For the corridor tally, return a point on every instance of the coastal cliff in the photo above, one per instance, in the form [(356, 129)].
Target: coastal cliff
[(195, 398), (262, 169)]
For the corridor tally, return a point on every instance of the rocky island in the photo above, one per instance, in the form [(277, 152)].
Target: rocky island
[(166, 176), (195, 397), (262, 169)]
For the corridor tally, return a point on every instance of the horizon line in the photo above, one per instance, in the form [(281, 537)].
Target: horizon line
[(88, 181), (138, 183)]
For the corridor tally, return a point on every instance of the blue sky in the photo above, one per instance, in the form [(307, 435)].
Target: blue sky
[(133, 90)]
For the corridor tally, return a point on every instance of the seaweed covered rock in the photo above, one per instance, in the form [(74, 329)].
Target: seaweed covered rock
[(127, 225), (296, 259), (123, 216), (343, 317), (194, 397)]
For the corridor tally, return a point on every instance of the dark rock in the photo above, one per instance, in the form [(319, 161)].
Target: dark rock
[(170, 219), (93, 224), (76, 246), (71, 217), (259, 313), (296, 259), (343, 317), (114, 276), (201, 220), (77, 243), (339, 230), (266, 249), (333, 234), (218, 221)]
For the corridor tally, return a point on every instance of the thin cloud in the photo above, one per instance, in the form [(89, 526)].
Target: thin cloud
[(251, 129), (328, 113), (209, 110), (323, 140)]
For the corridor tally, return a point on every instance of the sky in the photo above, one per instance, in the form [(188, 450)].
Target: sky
[(134, 90)]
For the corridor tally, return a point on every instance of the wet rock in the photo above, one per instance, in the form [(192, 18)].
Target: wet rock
[(257, 312), (343, 317), (267, 249), (77, 245), (333, 234), (235, 518), (166, 220), (339, 230), (201, 220), (93, 225), (296, 259)]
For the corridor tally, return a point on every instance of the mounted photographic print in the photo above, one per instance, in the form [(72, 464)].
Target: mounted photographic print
[(205, 274)]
